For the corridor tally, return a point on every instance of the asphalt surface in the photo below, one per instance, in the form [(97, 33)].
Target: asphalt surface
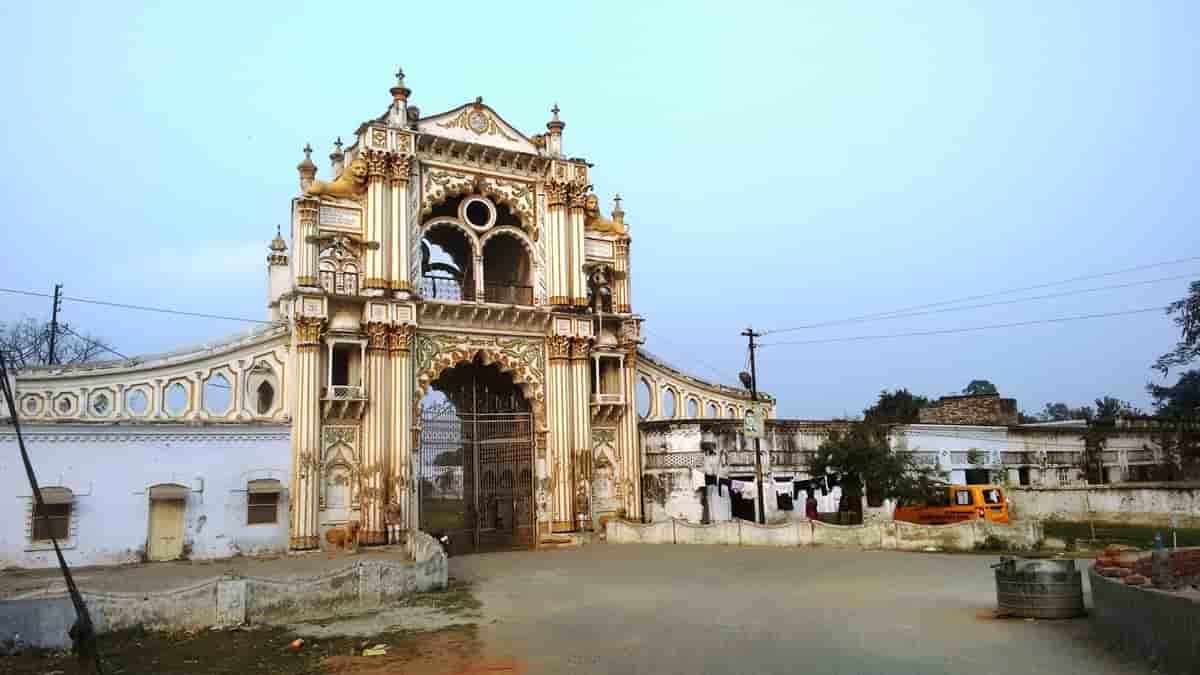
[(711, 609)]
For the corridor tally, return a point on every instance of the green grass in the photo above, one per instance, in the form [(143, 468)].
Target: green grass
[(1141, 536)]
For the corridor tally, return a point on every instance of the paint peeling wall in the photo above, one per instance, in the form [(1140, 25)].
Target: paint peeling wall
[(110, 469)]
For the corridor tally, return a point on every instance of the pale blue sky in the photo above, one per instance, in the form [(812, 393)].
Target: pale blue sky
[(781, 163)]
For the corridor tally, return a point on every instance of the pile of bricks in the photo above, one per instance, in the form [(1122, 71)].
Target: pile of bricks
[(1136, 568)]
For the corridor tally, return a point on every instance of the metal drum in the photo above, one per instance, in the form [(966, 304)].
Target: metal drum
[(1039, 588)]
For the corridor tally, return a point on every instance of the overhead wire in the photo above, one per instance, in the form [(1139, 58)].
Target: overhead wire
[(142, 308), (716, 371), (981, 296), (991, 304), (966, 329)]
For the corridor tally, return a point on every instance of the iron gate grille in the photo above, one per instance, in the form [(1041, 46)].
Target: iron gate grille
[(476, 470)]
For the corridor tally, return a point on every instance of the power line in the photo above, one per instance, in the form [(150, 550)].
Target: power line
[(982, 296), (995, 303), (968, 329), (141, 308), (97, 343), (716, 371)]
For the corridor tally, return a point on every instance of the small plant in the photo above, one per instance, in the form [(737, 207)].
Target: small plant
[(991, 543)]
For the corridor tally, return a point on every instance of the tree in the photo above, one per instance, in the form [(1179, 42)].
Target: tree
[(1108, 407), (26, 343), (896, 407), (980, 387), (1058, 412), (1180, 400), (862, 457), (1188, 320)]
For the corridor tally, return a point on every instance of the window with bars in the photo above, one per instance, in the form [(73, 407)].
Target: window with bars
[(262, 508), (51, 521)]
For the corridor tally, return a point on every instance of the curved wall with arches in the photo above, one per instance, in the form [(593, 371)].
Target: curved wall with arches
[(665, 392)]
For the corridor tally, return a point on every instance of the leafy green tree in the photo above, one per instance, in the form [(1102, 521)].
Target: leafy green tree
[(1188, 320), (980, 387), (864, 460), (1058, 412), (896, 407), (1108, 407), (1179, 400)]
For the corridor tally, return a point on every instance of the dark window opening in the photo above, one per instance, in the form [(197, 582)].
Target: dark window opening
[(506, 271), (266, 397), (51, 521), (262, 508), (477, 213), (447, 265), (1023, 475), (978, 477), (340, 375)]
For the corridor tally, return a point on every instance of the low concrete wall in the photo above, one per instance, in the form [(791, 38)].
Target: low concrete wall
[(965, 536), (1162, 627), (43, 621), (1132, 503)]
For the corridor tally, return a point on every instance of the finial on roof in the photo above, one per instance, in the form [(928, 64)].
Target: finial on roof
[(278, 244), (338, 145), (478, 100), (399, 77), (308, 170), (555, 125), (555, 111), (618, 214)]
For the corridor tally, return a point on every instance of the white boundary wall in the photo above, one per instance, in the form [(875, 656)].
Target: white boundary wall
[(965, 536)]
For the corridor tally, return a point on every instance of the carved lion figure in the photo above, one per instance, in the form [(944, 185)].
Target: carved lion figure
[(598, 223), (351, 183)]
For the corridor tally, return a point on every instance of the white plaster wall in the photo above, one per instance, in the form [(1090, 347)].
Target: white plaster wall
[(110, 469), (1142, 504)]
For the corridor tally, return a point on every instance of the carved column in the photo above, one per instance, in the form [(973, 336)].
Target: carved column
[(306, 434), (558, 417), (581, 430), (375, 436), (304, 242), (401, 402), (398, 264), (621, 303), (577, 281), (557, 253), (374, 273), (629, 477)]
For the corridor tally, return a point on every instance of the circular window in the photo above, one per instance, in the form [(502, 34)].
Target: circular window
[(31, 405), (65, 405), (478, 212), (100, 404)]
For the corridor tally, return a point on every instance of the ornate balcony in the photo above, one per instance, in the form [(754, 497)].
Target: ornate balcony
[(607, 407), (343, 402)]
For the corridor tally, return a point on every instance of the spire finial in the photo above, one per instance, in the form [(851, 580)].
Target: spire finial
[(555, 111), (618, 213), (399, 77), (307, 151), (617, 200), (338, 145)]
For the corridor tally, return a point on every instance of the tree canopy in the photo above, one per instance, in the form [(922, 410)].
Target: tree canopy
[(862, 456), (1181, 400), (896, 407), (980, 387), (26, 343), (1187, 311)]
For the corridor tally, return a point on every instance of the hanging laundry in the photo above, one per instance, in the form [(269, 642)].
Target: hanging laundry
[(698, 479)]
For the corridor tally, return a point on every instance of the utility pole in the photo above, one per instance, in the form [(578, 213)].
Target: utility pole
[(758, 472), (50, 358)]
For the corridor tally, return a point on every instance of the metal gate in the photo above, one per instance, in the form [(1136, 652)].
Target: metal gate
[(476, 466)]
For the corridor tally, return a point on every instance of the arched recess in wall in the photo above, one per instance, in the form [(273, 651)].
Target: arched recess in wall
[(218, 394), (670, 403), (693, 408), (262, 387), (644, 397), (448, 253), (731, 412), (712, 410)]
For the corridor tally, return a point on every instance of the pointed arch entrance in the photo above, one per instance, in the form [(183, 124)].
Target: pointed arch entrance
[(476, 459)]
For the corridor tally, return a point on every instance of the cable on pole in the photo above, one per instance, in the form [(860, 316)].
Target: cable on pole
[(142, 308), (966, 329), (982, 296)]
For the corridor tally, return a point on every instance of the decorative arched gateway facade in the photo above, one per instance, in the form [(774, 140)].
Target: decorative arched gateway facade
[(442, 242)]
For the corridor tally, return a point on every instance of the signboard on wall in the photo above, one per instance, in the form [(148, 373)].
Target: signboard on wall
[(752, 425)]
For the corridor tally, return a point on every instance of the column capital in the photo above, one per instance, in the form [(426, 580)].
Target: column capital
[(556, 193), (308, 330), (558, 347), (400, 337), (376, 163), (377, 335), (400, 168), (580, 348)]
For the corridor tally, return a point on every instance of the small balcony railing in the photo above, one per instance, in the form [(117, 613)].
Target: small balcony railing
[(508, 294), (443, 287), (608, 399), (343, 402), (340, 283)]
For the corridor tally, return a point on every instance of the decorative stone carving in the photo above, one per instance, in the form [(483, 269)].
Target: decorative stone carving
[(520, 357), (377, 335), (377, 163), (350, 184), (556, 193), (559, 347), (308, 330), (580, 348), (596, 222), (400, 168), (400, 337), (479, 120)]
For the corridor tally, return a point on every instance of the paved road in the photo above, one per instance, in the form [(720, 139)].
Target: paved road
[(701, 609)]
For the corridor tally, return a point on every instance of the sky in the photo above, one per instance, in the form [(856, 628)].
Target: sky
[(781, 164)]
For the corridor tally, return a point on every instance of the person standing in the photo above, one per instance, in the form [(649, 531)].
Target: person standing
[(810, 505)]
